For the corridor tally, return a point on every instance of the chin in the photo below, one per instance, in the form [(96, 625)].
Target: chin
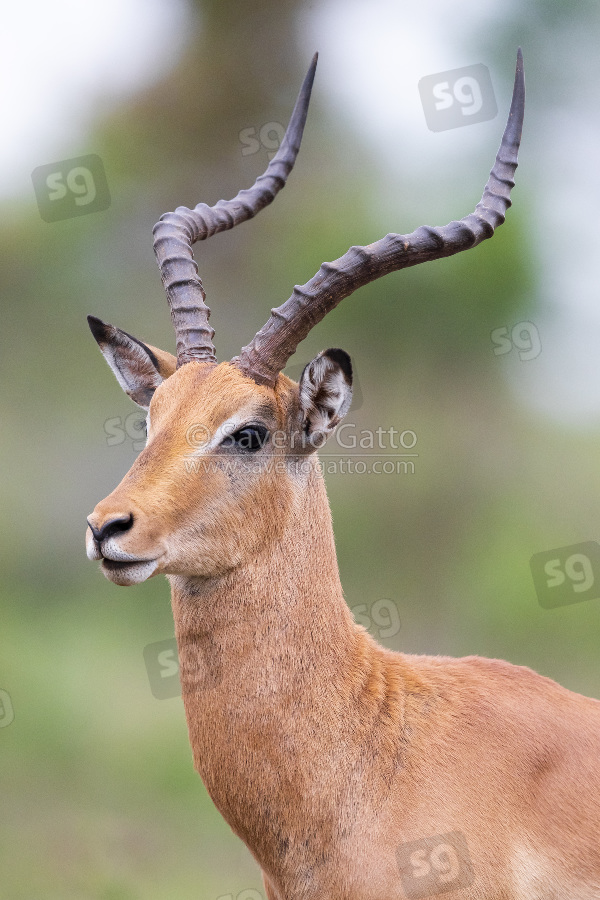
[(128, 573)]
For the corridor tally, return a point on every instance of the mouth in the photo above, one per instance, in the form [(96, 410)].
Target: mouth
[(118, 565), (128, 572)]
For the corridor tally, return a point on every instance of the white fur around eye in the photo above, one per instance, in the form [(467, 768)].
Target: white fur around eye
[(210, 442)]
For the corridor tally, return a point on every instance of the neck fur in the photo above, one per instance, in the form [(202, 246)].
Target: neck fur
[(279, 684)]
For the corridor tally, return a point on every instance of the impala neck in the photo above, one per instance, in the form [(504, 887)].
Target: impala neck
[(277, 617), (272, 669)]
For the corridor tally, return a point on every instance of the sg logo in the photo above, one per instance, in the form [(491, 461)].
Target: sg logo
[(243, 895), (384, 613), (133, 426), (7, 713), (435, 865), (162, 665), (270, 137), (458, 97), (566, 575), (199, 659), (72, 187), (524, 336)]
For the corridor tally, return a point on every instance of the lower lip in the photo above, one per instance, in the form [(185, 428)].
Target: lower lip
[(129, 571), (118, 564)]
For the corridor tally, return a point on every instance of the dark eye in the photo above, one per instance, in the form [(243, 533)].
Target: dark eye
[(251, 437)]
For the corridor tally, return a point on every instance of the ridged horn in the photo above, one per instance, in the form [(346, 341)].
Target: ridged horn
[(176, 232), (267, 354)]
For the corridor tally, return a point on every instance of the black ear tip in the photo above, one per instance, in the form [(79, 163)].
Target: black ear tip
[(342, 359), (98, 328)]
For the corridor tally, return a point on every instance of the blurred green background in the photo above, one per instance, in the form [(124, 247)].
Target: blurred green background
[(98, 796)]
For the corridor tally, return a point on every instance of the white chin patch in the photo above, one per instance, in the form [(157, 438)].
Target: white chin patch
[(128, 573)]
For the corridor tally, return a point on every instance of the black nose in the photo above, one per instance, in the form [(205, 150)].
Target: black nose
[(113, 526)]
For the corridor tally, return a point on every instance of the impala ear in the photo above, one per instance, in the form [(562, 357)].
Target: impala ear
[(139, 367), (325, 394)]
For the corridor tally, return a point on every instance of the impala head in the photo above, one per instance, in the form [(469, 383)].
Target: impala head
[(230, 444)]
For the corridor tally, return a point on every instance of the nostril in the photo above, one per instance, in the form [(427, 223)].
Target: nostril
[(113, 526)]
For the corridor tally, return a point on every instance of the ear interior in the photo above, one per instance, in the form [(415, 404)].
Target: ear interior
[(325, 394), (138, 367)]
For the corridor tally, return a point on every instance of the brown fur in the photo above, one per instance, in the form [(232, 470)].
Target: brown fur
[(324, 751)]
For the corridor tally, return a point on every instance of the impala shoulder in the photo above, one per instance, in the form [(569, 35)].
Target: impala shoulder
[(518, 677)]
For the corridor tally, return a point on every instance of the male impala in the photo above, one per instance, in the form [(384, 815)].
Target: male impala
[(351, 772)]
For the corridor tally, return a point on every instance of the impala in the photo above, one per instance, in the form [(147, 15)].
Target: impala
[(350, 771)]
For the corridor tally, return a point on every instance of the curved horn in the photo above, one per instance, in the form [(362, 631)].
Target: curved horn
[(176, 232), (269, 351)]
